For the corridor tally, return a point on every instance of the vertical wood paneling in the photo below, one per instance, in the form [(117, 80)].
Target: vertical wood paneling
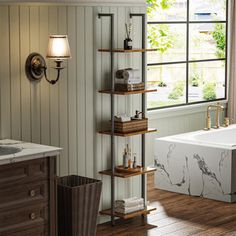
[(106, 105), (25, 83), (15, 72), (72, 86), (98, 78), (44, 90), (136, 99), (35, 86), (80, 24), (89, 91), (5, 72), (63, 99), (121, 100), (98, 96), (54, 98), (113, 10)]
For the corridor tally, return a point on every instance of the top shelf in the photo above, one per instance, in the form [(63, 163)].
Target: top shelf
[(121, 50), (107, 91)]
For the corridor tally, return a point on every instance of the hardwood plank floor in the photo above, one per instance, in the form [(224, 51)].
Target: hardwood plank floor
[(178, 215)]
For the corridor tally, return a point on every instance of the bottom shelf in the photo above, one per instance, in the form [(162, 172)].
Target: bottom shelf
[(145, 211)]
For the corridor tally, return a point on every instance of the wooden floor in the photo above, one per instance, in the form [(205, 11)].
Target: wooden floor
[(178, 215)]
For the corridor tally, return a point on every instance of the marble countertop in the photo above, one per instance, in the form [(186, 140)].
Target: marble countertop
[(28, 151)]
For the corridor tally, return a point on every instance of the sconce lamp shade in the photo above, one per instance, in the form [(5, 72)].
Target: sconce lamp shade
[(58, 47)]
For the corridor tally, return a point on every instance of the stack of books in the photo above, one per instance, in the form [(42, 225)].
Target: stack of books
[(129, 205), (128, 80)]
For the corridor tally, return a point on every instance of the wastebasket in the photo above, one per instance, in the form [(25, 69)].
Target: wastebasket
[(78, 203)]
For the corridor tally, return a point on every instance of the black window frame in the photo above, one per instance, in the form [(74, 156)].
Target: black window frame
[(188, 22)]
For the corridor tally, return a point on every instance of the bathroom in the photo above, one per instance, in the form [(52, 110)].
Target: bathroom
[(69, 117)]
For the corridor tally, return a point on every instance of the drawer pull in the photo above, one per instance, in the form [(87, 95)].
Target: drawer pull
[(32, 216), (32, 193)]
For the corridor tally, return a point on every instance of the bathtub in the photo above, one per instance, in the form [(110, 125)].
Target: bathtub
[(201, 163), (222, 137)]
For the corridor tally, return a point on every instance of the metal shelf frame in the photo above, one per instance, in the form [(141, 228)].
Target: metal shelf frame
[(112, 89)]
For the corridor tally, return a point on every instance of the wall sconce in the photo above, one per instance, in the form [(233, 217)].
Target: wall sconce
[(58, 50)]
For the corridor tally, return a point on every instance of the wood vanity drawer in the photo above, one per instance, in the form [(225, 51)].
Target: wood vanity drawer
[(23, 195), (17, 219), (35, 231), (23, 172)]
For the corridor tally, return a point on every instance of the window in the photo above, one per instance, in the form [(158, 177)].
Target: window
[(190, 63)]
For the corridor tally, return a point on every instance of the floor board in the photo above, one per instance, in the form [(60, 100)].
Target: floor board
[(178, 215)]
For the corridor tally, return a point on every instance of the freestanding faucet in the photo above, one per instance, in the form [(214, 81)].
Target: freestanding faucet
[(218, 108)]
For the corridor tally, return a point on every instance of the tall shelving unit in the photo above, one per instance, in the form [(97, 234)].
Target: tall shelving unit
[(111, 172)]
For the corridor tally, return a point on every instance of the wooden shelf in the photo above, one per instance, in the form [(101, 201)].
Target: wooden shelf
[(121, 50), (146, 211), (108, 132), (107, 91), (128, 175)]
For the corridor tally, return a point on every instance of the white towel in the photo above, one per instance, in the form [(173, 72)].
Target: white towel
[(127, 200), (127, 73), (133, 80), (133, 203), (128, 210)]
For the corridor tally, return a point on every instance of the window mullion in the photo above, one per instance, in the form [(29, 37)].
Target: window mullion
[(187, 52)]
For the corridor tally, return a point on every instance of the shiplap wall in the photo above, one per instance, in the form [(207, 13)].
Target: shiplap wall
[(57, 115), (69, 113)]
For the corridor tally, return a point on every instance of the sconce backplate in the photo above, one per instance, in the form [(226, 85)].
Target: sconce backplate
[(35, 66)]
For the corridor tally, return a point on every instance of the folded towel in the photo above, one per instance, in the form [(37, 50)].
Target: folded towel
[(127, 73), (129, 209), (131, 199), (133, 203), (132, 80)]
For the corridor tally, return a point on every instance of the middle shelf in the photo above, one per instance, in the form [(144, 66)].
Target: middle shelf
[(126, 174), (108, 91), (108, 132)]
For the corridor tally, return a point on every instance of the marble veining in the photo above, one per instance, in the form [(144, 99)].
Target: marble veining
[(207, 172), (195, 170)]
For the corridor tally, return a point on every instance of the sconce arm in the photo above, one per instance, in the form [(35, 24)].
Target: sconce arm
[(58, 75)]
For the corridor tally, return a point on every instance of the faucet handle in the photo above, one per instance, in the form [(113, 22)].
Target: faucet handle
[(227, 121), (208, 123)]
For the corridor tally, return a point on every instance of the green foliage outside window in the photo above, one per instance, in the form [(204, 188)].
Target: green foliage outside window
[(153, 5), (209, 91), (220, 39), (159, 36), (178, 90)]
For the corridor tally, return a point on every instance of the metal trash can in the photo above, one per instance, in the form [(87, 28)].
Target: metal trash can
[(78, 204)]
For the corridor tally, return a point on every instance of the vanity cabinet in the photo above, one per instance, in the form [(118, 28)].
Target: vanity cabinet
[(28, 198)]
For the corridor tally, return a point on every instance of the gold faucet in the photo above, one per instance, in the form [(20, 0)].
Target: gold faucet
[(218, 108)]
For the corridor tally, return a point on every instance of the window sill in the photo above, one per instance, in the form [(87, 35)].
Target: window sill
[(180, 111)]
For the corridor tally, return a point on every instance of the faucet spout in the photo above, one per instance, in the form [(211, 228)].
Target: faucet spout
[(217, 108)]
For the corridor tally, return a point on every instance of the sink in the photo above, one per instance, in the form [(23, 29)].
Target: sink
[(6, 150)]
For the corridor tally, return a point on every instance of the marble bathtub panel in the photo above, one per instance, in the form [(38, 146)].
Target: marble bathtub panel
[(233, 170), (194, 170)]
